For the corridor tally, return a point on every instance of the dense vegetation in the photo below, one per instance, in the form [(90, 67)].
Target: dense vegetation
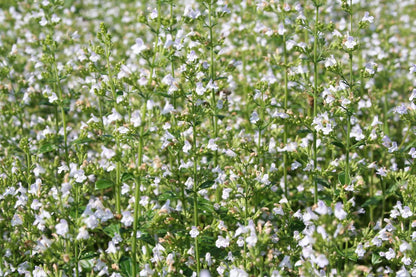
[(207, 138)]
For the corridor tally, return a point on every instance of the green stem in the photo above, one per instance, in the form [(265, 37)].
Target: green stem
[(195, 192), (213, 96), (117, 189), (156, 42), (409, 127), (372, 187), (64, 125), (347, 148), (286, 129), (137, 210), (315, 97)]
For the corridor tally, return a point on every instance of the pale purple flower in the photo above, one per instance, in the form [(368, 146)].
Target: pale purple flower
[(412, 68), (390, 254), (367, 18), (350, 43), (321, 261), (339, 211), (194, 232), (222, 242), (127, 218), (413, 95), (238, 272), (138, 47), (62, 228), (330, 61)]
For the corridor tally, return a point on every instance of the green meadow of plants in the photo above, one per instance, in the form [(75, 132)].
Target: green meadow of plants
[(207, 138)]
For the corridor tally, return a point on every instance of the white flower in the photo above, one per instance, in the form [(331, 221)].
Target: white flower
[(350, 43), (43, 21), (322, 261), (222, 242), (238, 272), (370, 68), (127, 218), (360, 251), (94, 57), (204, 273), (83, 233), (111, 249), (230, 153), (412, 152), (191, 57), (114, 116), (62, 228), (339, 211), (254, 117), (212, 145), (212, 85), (39, 272), (138, 47), (16, 220), (136, 119), (189, 12), (413, 95), (382, 171), (200, 90), (79, 176), (123, 130), (55, 18), (186, 147), (124, 72), (357, 133), (194, 232), (251, 240), (390, 254), (330, 61), (368, 18), (322, 208), (281, 29)]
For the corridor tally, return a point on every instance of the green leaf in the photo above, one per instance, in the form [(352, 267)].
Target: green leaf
[(87, 264), (343, 179), (126, 177), (167, 195), (338, 144), (81, 140), (323, 182), (148, 239), (375, 259), (206, 184), (103, 184), (125, 266), (112, 229), (373, 201), (205, 205), (89, 255), (45, 148)]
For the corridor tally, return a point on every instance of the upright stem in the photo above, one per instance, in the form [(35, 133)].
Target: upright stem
[(195, 189), (213, 97), (156, 41), (286, 129), (347, 154), (315, 96), (137, 211), (117, 190), (64, 124)]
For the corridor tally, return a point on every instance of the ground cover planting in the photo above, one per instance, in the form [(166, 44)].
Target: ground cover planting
[(207, 138)]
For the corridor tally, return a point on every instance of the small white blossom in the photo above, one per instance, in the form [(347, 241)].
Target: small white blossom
[(350, 43)]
